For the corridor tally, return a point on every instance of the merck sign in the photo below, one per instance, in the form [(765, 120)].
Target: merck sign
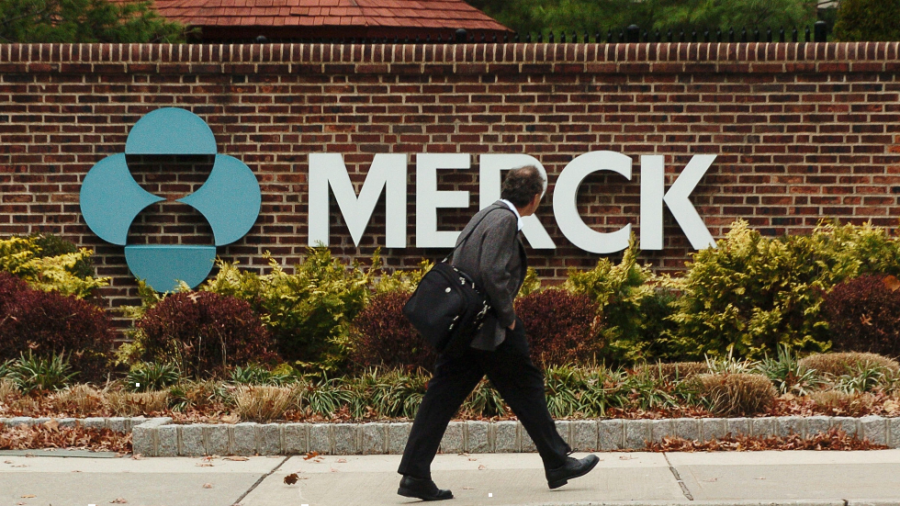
[(388, 174), (230, 199)]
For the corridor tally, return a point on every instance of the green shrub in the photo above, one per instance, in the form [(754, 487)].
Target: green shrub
[(61, 268), (867, 20), (750, 293), (621, 292), (255, 374), (308, 312)]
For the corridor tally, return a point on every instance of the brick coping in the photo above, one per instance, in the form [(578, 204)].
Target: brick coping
[(160, 437), (42, 57)]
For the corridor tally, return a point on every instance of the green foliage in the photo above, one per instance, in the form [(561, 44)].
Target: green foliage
[(788, 374), (255, 374), (308, 312), (531, 284), (67, 272), (621, 291), (867, 20), (31, 373), (85, 21), (152, 376), (590, 16), (398, 280), (751, 293)]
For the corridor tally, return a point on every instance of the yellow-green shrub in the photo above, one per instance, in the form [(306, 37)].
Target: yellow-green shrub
[(633, 309), (752, 293), (63, 272)]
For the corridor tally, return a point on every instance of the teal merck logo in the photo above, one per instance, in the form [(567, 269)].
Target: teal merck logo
[(229, 199)]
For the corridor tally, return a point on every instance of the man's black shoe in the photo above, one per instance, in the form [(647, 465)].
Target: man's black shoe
[(425, 490), (572, 469)]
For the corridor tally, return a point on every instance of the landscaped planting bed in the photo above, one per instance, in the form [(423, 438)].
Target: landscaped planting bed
[(761, 343)]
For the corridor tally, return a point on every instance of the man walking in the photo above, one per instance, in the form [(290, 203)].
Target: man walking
[(494, 257)]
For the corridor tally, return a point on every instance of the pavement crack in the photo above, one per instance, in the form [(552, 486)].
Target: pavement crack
[(260, 480), (684, 489)]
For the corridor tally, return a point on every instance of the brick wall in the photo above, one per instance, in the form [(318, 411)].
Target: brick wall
[(802, 132)]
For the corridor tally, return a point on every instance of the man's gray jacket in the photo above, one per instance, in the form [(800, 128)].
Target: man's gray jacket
[(495, 258)]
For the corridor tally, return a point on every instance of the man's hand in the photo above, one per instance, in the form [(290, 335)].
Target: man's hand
[(513, 326)]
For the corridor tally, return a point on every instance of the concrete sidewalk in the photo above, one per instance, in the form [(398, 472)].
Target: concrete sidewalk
[(750, 478)]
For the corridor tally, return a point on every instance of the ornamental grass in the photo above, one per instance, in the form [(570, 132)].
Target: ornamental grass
[(738, 394), (838, 364)]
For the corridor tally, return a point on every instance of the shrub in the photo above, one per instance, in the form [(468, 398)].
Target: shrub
[(736, 394), (68, 272), (255, 374), (262, 403), (308, 312), (838, 364), (204, 333), (49, 323), (867, 20), (382, 336), (750, 294), (863, 313), (621, 292), (562, 327)]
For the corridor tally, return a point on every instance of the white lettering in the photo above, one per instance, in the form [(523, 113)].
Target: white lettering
[(489, 178), (388, 173), (429, 199)]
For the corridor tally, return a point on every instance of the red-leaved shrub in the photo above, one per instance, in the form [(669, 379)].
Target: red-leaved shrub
[(206, 333), (50, 323), (562, 327), (384, 337), (863, 315)]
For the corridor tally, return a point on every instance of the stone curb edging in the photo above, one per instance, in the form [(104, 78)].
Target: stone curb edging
[(159, 437), (121, 424)]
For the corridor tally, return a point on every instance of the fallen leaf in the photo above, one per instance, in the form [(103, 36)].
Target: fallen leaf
[(207, 485), (28, 496), (231, 419), (118, 500), (236, 459), (341, 461), (472, 460), (137, 456), (866, 320), (7, 462), (467, 488), (311, 455), (892, 283), (291, 479), (481, 467), (52, 425)]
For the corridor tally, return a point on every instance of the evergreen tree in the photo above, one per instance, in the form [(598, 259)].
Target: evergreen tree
[(73, 21)]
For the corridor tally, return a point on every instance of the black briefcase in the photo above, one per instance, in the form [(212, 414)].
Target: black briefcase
[(447, 309)]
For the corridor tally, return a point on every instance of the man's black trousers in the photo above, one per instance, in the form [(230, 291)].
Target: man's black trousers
[(515, 377)]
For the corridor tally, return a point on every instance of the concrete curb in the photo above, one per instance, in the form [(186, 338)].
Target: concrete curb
[(159, 437)]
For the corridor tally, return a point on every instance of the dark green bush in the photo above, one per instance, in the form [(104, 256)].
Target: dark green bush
[(49, 323), (382, 336), (204, 333), (867, 20), (562, 327), (864, 315)]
